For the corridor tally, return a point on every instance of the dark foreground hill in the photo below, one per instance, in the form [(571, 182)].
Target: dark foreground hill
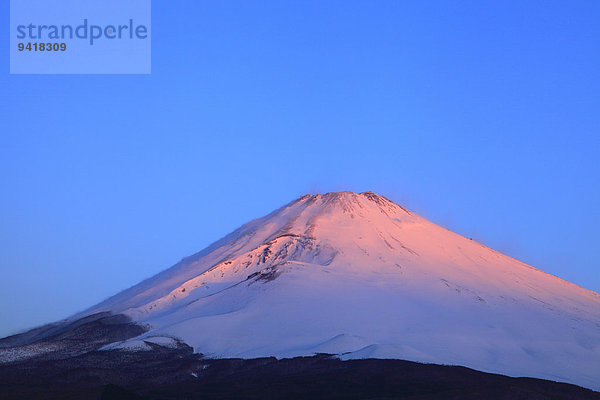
[(180, 374)]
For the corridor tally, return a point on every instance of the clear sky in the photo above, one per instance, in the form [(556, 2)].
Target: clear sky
[(483, 116)]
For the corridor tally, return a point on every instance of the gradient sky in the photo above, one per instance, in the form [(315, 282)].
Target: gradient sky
[(483, 116)]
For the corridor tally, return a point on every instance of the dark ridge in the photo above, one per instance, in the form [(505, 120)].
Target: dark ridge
[(50, 330), (68, 339)]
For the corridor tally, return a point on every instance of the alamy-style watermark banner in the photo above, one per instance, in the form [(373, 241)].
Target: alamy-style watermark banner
[(80, 37)]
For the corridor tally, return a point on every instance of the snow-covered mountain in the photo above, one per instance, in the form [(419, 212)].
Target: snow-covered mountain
[(360, 276)]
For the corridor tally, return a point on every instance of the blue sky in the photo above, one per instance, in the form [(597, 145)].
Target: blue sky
[(482, 116)]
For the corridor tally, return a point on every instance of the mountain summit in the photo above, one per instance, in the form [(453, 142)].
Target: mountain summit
[(359, 276)]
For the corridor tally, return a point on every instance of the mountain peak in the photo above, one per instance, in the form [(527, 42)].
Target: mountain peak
[(345, 195), (349, 202)]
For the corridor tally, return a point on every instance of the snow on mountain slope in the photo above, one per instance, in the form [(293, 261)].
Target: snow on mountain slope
[(359, 276)]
